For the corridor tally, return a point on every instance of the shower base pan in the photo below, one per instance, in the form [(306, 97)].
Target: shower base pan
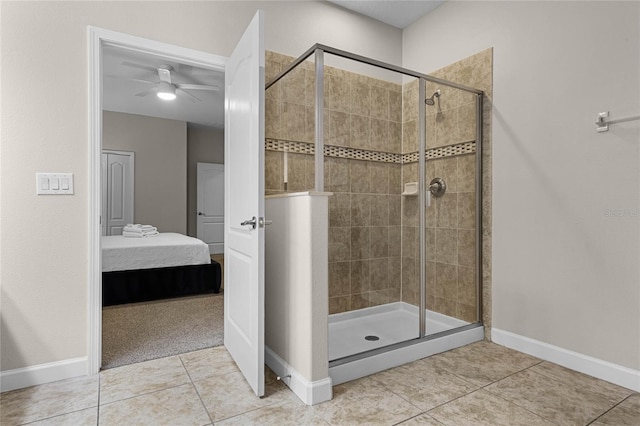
[(373, 339)]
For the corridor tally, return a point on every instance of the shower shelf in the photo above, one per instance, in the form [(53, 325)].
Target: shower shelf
[(410, 189)]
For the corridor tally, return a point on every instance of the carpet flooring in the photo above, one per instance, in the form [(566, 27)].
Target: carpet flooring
[(143, 331)]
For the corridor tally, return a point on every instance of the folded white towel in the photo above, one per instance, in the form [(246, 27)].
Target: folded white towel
[(142, 229), (139, 234)]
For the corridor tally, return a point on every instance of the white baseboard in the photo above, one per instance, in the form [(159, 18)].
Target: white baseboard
[(310, 393), (42, 373), (605, 370)]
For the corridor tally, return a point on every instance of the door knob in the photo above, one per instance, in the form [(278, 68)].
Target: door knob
[(251, 222), (200, 214), (263, 222)]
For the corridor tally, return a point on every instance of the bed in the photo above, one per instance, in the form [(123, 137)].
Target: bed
[(160, 267)]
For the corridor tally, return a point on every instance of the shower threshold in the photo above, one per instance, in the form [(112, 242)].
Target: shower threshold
[(393, 324)]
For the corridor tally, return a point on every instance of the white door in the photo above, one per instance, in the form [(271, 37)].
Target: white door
[(244, 208), (117, 191), (210, 206)]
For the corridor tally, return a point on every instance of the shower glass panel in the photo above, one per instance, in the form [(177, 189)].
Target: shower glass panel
[(370, 248), (450, 232)]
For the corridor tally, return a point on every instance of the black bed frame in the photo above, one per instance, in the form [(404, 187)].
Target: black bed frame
[(142, 285)]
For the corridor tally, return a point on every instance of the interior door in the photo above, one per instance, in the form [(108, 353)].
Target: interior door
[(117, 191), (244, 207), (210, 206)]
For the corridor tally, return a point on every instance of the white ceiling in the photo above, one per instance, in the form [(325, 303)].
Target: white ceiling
[(398, 13), (121, 69)]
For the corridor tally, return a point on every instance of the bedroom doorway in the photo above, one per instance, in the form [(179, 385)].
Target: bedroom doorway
[(144, 61)]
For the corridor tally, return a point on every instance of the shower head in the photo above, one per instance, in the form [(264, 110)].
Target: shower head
[(432, 99)]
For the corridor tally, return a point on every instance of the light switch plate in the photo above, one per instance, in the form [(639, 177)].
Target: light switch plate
[(46, 182)]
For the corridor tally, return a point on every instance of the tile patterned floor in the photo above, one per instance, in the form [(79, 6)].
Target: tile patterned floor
[(478, 384)]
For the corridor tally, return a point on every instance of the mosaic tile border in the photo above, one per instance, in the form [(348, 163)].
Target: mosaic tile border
[(279, 145)]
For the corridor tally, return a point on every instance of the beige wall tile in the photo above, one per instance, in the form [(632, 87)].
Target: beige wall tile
[(379, 135), (360, 276), (379, 240), (467, 292), (467, 122), (293, 121), (339, 279), (446, 281), (273, 119), (359, 301), (337, 93), (380, 210), (394, 142), (395, 207), (360, 98), (394, 265), (273, 171), (447, 169), (339, 174), (379, 103), (339, 304), (361, 209), (467, 173), (447, 246), (292, 87), (447, 210), (410, 241), (467, 210), (466, 247), (359, 176), (395, 245), (339, 128), (395, 179), (296, 172), (360, 243), (379, 177), (379, 274), (340, 210), (410, 136), (395, 105), (339, 244), (360, 132)]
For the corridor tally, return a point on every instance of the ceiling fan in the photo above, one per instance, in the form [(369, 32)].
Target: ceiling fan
[(164, 88)]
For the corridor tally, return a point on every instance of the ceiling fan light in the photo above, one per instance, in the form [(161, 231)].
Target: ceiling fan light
[(166, 91), (167, 96)]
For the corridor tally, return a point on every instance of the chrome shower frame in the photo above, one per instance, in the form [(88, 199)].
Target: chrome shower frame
[(319, 50)]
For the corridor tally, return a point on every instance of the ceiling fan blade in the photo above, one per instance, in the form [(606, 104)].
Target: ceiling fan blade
[(188, 95), (138, 66), (198, 87), (164, 73), (117, 77), (146, 92)]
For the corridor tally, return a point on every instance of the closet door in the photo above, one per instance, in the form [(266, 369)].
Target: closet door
[(118, 172)]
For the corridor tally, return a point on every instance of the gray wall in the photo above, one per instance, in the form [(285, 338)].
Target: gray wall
[(204, 145), (160, 148), (565, 198)]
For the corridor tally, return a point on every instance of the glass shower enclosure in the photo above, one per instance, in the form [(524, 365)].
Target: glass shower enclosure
[(401, 153)]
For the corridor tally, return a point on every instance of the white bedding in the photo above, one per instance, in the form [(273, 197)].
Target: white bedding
[(164, 250)]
